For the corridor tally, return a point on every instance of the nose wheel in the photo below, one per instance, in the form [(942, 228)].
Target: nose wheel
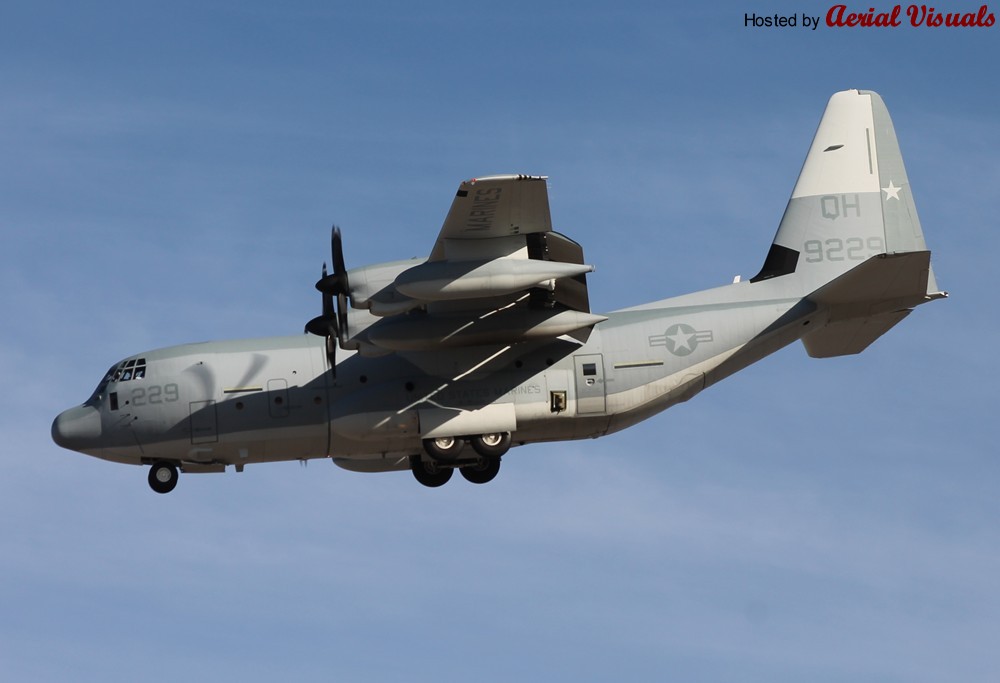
[(162, 477)]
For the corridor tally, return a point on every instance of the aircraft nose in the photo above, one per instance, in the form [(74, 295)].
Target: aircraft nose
[(77, 428)]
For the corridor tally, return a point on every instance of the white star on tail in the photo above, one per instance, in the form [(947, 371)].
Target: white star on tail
[(891, 192)]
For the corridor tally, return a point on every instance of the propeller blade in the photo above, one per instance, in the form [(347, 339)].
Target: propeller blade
[(332, 324), (325, 324), (342, 318), (337, 283), (337, 250), (331, 352)]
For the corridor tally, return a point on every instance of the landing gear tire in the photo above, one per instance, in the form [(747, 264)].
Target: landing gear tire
[(483, 471), (162, 477), (491, 445), (429, 474), (443, 448)]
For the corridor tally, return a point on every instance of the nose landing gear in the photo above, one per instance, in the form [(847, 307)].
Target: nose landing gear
[(162, 477)]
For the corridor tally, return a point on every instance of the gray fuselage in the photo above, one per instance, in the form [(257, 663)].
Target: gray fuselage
[(213, 404)]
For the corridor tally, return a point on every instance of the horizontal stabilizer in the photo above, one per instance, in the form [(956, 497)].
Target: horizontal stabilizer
[(848, 337), (882, 283), (867, 301)]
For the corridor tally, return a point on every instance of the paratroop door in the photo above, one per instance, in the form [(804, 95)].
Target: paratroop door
[(589, 384)]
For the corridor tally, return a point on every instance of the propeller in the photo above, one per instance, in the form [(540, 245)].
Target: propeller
[(336, 283), (332, 323)]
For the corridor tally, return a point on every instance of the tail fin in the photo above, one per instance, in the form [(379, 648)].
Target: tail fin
[(852, 200), (851, 203)]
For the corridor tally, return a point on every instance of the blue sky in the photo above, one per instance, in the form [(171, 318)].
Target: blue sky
[(169, 174)]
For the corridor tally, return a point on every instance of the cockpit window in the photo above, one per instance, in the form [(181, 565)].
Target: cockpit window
[(99, 391), (122, 372), (128, 370), (131, 369)]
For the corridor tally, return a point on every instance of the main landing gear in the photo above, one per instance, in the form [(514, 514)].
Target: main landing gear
[(429, 473), (482, 472), (444, 457), (162, 477)]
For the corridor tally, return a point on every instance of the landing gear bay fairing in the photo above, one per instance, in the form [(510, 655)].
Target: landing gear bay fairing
[(444, 364)]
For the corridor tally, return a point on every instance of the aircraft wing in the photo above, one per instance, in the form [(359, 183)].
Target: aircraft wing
[(497, 274), (494, 207)]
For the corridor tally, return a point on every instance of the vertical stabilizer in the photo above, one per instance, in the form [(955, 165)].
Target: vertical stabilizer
[(852, 199)]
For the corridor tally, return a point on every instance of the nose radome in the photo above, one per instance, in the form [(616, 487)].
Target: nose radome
[(77, 428)]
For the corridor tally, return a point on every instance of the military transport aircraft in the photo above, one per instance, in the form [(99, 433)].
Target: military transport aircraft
[(445, 363)]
